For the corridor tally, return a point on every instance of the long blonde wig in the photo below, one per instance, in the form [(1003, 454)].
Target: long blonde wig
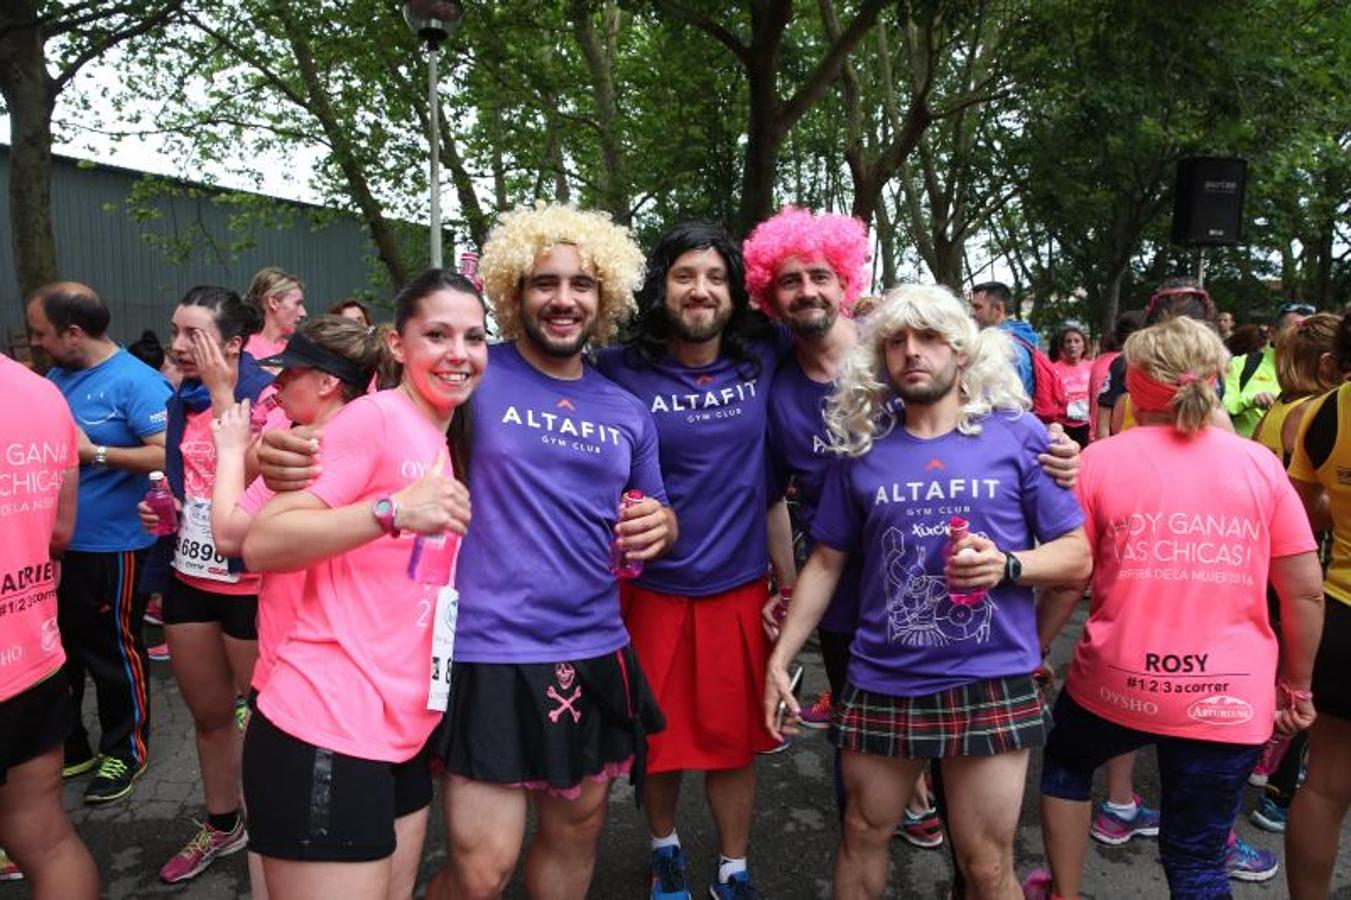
[(524, 233), (860, 409)]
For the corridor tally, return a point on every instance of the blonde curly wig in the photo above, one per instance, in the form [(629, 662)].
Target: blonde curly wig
[(524, 233)]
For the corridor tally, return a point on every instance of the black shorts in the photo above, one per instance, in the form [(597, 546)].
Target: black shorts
[(309, 804), (1332, 666), (548, 725), (236, 613), (34, 721)]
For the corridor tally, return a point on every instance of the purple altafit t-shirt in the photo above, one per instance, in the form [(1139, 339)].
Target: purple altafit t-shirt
[(548, 464), (711, 423), (893, 504), (799, 448)]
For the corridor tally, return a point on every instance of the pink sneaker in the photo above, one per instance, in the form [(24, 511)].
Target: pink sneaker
[(159, 652), (1037, 885), (818, 714), (202, 850), (1269, 761), (154, 611)]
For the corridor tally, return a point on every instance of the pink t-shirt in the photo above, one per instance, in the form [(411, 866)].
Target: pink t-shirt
[(1075, 380), (278, 596), (39, 440), (352, 674), (196, 561), (260, 347), (1178, 640)]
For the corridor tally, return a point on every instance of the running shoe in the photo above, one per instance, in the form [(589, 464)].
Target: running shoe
[(242, 713), (202, 850), (1244, 862), (154, 611), (9, 869), (159, 652), (1037, 885), (1269, 761), (1110, 828), (1270, 815), (114, 779), (668, 874), (922, 830), (737, 887), (79, 758), (818, 714)]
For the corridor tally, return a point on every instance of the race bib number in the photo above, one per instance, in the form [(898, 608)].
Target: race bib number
[(443, 646), (1077, 410), (195, 551)]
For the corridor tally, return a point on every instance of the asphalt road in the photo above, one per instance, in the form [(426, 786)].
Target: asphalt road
[(791, 854)]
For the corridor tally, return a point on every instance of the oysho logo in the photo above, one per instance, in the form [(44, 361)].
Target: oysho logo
[(1221, 709), (703, 380), (565, 403), (933, 464)]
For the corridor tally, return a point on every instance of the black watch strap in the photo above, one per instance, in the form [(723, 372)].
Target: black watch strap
[(1013, 569)]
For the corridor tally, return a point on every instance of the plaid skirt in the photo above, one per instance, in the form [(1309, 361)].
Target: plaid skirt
[(983, 718)]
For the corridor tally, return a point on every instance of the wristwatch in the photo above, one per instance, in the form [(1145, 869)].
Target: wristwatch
[(1013, 569), (385, 511), (100, 457)]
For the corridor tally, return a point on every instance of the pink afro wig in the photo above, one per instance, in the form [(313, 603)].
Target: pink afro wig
[(794, 232)]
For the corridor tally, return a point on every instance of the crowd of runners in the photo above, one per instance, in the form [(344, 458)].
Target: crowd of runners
[(572, 516)]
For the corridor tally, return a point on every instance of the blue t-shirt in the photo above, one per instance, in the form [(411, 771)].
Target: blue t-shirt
[(116, 403), (711, 426), (799, 448), (549, 462), (893, 504)]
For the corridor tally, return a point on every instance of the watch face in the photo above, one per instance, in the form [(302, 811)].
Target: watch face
[(382, 507)]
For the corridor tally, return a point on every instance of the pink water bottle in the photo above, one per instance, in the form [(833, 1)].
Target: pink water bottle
[(621, 566), (432, 558), (469, 268), (958, 529), (161, 503)]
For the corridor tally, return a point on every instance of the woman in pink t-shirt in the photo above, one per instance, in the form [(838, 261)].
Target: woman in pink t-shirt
[(327, 363), (40, 474), (210, 602), (1069, 357), (357, 685), (1187, 523)]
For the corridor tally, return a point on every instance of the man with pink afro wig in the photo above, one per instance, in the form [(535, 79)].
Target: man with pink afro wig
[(841, 242)]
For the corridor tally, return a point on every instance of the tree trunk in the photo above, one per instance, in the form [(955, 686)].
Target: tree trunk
[(1111, 296), (386, 244), (30, 97), (599, 50)]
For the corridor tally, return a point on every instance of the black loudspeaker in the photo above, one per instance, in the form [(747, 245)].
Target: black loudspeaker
[(1208, 201)]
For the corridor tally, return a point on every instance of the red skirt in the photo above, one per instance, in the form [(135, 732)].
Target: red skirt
[(704, 658)]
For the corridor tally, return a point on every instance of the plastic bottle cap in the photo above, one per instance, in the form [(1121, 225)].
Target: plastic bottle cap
[(156, 475)]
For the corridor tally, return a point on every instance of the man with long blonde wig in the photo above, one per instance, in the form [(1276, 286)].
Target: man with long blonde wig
[(946, 639)]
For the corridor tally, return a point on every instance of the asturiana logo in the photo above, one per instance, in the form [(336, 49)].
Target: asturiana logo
[(1221, 709)]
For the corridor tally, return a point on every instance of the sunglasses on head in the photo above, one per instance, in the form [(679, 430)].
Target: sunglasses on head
[(1301, 309)]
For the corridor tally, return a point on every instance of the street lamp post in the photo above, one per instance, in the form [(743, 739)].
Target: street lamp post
[(434, 21)]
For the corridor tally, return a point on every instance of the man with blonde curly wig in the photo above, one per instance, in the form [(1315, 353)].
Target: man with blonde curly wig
[(547, 702), (945, 641)]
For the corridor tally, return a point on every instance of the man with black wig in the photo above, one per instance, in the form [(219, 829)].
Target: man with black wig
[(700, 359)]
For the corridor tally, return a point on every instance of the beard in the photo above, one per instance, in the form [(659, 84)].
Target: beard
[(560, 349), (810, 327), (703, 331), (939, 386)]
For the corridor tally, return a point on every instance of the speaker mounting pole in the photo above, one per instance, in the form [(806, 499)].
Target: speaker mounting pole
[(1201, 259)]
